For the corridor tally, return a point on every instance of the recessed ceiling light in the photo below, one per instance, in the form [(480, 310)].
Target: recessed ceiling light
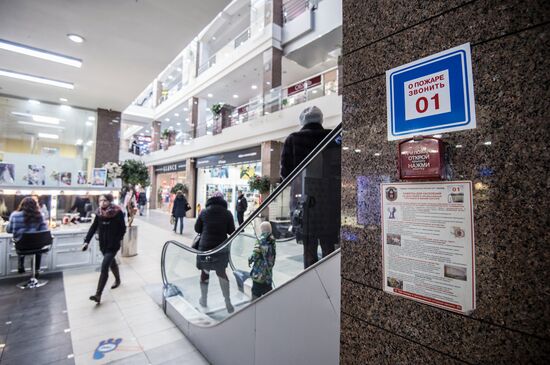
[(75, 38), (178, 69), (254, 87), (37, 79), (345, 148), (166, 119), (187, 119), (176, 114), (213, 38), (210, 95), (268, 83), (185, 109), (458, 146), (170, 77), (79, 142), (39, 53), (48, 136), (65, 107), (63, 100), (91, 118), (147, 131), (437, 135), (31, 101), (89, 124), (377, 154), (314, 91), (235, 96), (178, 123)]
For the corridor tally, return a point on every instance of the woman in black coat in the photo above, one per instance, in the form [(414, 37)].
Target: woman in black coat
[(215, 223), (179, 208), (109, 223)]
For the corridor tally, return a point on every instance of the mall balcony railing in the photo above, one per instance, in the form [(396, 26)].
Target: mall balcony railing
[(277, 99), (294, 8), (146, 98)]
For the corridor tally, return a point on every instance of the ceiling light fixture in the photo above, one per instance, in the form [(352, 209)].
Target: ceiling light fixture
[(37, 79), (254, 87), (63, 100), (65, 107), (488, 143), (377, 154), (210, 95), (235, 96), (89, 143), (178, 69), (79, 142), (458, 146), (40, 125), (39, 53), (358, 150), (345, 148), (92, 118), (75, 38), (178, 123), (31, 101), (176, 114), (89, 124), (166, 119), (39, 118), (48, 136), (185, 109)]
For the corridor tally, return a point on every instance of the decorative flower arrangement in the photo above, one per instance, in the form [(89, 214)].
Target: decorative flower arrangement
[(260, 183), (114, 171)]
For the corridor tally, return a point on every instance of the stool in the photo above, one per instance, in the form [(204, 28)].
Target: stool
[(33, 243)]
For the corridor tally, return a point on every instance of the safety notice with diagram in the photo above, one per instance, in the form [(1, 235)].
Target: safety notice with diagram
[(428, 243)]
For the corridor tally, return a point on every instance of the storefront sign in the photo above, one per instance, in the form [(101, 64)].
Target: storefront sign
[(242, 109), (428, 243), (432, 95), (421, 159), (314, 81), (171, 167), (234, 157)]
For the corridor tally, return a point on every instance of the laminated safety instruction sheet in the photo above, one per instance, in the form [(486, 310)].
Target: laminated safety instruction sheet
[(428, 243)]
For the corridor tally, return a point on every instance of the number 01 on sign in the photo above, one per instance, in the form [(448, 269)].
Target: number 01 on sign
[(432, 95)]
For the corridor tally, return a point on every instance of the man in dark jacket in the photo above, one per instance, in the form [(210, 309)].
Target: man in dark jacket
[(179, 208), (142, 201), (316, 193), (299, 144), (242, 205)]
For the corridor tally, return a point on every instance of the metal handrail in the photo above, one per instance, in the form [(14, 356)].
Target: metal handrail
[(316, 151)]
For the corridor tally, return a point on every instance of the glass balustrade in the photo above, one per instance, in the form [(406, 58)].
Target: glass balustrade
[(303, 209)]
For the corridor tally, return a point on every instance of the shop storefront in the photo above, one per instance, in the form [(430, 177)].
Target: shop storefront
[(166, 177), (228, 173)]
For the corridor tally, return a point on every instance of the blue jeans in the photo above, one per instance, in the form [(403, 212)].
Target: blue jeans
[(176, 224)]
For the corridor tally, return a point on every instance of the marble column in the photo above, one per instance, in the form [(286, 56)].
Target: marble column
[(107, 137), (153, 196), (272, 78), (510, 58), (271, 159), (190, 181), (155, 136)]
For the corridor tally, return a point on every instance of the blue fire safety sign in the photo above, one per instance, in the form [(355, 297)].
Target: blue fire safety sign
[(432, 95)]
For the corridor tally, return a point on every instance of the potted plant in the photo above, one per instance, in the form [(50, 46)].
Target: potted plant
[(260, 183), (178, 187), (217, 109)]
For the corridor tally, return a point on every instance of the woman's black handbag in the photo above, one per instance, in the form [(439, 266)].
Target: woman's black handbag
[(187, 207)]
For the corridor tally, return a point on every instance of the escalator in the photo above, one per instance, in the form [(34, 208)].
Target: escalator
[(298, 321)]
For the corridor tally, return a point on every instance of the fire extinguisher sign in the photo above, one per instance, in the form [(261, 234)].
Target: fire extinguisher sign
[(432, 95)]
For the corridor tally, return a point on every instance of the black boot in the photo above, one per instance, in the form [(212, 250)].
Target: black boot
[(116, 273), (96, 298)]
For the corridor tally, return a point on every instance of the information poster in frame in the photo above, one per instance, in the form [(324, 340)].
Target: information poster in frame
[(428, 243)]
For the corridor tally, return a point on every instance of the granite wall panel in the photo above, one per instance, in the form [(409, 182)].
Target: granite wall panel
[(361, 28), (107, 137), (474, 22), (510, 42), (367, 344)]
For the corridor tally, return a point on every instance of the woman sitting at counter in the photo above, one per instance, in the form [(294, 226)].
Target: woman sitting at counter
[(109, 222), (27, 218)]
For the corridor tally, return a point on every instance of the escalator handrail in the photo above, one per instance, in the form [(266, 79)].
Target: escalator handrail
[(316, 151)]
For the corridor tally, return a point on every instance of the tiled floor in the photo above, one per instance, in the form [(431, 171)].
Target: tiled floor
[(34, 322), (128, 312)]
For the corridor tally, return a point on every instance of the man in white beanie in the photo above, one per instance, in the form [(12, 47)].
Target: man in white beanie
[(299, 144)]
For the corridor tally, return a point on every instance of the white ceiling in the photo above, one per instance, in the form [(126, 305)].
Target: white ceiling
[(128, 42)]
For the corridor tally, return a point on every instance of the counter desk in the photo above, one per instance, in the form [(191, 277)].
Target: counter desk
[(66, 252)]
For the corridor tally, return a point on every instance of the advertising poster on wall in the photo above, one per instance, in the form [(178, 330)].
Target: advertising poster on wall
[(99, 177), (7, 174), (36, 175), (65, 179), (428, 243), (81, 178)]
